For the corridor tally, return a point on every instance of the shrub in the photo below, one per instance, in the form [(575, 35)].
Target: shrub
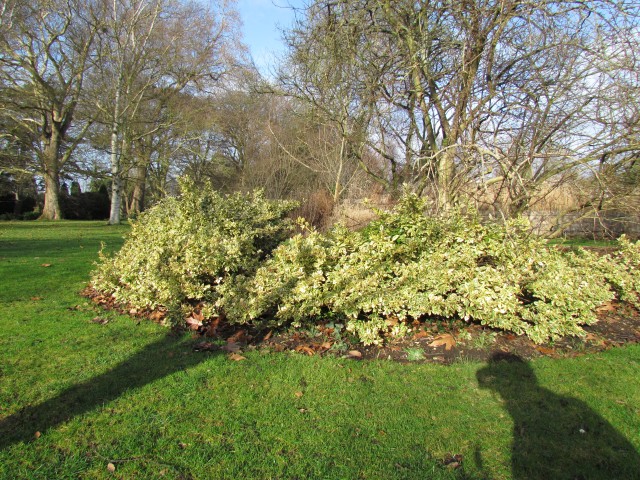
[(406, 265), (180, 251)]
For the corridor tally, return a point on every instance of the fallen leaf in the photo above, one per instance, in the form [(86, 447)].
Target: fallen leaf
[(192, 323), (46, 265), (445, 339), (212, 327), (391, 321), (236, 358), (182, 445), (606, 307), (204, 346), (36, 299), (298, 394), (308, 350), (302, 410), (100, 320), (354, 354), (111, 467), (267, 336), (231, 347), (420, 334), (453, 461), (37, 435), (239, 336), (546, 351)]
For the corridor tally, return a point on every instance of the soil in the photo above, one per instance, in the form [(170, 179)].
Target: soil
[(443, 342), (450, 342)]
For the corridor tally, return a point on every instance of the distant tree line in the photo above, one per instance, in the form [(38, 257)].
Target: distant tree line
[(507, 106)]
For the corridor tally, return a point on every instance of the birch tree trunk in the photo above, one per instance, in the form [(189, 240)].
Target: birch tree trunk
[(115, 160)]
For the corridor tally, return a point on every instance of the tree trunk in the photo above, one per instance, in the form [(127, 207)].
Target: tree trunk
[(445, 177), (139, 188), (51, 210), (116, 182), (116, 173)]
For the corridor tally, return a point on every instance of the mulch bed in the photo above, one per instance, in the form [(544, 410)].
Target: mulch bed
[(442, 342)]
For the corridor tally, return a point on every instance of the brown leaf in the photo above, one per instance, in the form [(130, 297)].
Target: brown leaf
[(236, 358), (100, 320), (192, 323), (157, 315), (298, 394), (267, 336), (231, 347), (37, 435), (546, 351), (453, 461), (46, 265), (445, 339), (606, 307), (391, 321), (36, 299), (239, 336), (212, 328), (182, 445), (308, 350), (111, 467), (354, 354), (420, 334), (591, 338), (204, 346)]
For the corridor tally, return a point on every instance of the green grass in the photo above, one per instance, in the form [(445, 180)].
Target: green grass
[(132, 395), (583, 242)]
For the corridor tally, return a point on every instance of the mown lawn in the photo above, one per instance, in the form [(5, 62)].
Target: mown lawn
[(79, 399)]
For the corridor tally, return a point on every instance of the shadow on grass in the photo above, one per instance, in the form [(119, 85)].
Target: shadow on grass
[(155, 361), (556, 436)]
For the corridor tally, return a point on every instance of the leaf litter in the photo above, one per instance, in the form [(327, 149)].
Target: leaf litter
[(442, 340)]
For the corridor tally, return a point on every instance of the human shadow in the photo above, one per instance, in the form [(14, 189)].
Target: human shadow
[(155, 361), (556, 437)]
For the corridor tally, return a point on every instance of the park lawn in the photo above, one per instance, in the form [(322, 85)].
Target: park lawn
[(125, 399)]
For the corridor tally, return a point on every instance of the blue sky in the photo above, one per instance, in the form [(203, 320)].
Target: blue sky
[(261, 22)]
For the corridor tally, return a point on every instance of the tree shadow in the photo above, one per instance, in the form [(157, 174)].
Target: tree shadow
[(155, 361), (555, 436)]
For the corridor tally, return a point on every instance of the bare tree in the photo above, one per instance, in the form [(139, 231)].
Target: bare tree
[(470, 99), (45, 47), (150, 48)]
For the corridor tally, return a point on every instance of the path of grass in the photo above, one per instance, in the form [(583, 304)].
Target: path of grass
[(131, 395)]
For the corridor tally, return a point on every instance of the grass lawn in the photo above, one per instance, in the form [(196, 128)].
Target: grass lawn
[(583, 242), (80, 399)]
